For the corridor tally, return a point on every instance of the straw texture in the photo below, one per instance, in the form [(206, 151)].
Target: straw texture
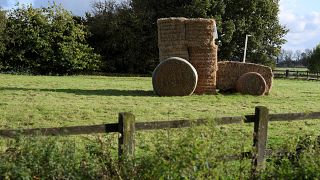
[(174, 77), (176, 51), (229, 72), (251, 83), (193, 40), (204, 59), (200, 32)]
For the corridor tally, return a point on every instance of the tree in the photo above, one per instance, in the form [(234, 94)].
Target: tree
[(258, 18), (305, 57), (46, 41), (136, 21), (3, 20), (314, 60), (235, 19), (124, 41)]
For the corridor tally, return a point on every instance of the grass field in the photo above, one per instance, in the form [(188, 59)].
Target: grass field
[(44, 101), (292, 69)]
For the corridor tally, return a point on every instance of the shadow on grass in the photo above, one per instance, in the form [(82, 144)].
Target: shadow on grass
[(100, 92)]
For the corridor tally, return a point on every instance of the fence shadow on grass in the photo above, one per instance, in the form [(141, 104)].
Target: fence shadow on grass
[(87, 92)]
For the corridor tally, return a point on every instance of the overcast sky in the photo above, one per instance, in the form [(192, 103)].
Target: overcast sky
[(301, 17)]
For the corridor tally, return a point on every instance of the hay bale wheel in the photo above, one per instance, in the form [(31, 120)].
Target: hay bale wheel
[(251, 83), (174, 77)]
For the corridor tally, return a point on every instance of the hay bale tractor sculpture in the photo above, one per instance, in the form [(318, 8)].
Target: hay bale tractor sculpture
[(189, 62)]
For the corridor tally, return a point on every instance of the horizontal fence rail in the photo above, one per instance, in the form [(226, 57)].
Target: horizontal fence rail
[(141, 126)]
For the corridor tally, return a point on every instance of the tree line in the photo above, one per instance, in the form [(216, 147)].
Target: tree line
[(122, 37), (309, 58)]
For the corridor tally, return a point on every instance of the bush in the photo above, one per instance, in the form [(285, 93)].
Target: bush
[(56, 158), (314, 60), (2, 30), (302, 163), (192, 153), (46, 41)]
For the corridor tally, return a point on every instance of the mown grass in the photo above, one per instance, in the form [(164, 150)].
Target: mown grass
[(44, 101), (292, 68)]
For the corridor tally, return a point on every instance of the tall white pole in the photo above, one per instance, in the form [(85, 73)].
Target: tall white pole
[(245, 48)]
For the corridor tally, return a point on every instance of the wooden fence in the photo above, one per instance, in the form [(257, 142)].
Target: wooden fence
[(126, 127), (296, 74)]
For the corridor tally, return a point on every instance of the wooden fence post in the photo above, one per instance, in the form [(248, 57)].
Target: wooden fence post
[(287, 73), (259, 139), (126, 139)]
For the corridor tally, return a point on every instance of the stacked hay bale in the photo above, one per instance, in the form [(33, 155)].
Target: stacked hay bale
[(230, 71), (174, 77), (172, 38), (203, 53), (193, 40)]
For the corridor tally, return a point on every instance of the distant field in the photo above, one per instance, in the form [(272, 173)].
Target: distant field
[(292, 69), (44, 101)]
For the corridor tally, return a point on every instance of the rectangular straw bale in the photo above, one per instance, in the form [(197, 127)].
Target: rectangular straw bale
[(173, 51), (200, 32), (204, 60), (171, 31), (205, 90), (205, 53)]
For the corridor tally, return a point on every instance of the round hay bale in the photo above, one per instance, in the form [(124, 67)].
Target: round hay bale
[(174, 77), (251, 83)]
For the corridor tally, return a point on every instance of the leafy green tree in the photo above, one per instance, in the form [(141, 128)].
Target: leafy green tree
[(124, 42), (258, 18), (234, 19), (46, 41), (126, 35), (314, 60), (2, 30)]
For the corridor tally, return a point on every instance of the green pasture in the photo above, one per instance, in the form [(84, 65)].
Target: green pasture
[(44, 101), (292, 68), (47, 101)]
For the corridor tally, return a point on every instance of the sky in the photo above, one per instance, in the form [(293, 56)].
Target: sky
[(301, 17)]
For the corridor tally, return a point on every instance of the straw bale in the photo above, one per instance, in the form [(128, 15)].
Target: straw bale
[(200, 32), (229, 72), (204, 60), (171, 31), (176, 51), (251, 83), (193, 40), (206, 90), (174, 77)]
